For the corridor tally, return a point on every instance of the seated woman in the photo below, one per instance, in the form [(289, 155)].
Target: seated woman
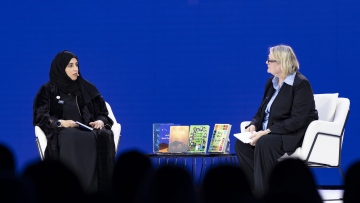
[(286, 110), (62, 101)]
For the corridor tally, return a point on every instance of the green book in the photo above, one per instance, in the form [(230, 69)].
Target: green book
[(220, 139), (198, 138)]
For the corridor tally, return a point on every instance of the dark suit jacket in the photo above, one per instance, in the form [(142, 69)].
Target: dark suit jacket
[(291, 112)]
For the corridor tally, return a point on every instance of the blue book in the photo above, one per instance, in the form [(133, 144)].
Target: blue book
[(163, 137)]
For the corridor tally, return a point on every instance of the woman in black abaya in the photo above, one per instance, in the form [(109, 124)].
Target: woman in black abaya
[(67, 98)]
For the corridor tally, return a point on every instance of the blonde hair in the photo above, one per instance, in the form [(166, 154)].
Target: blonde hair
[(286, 57)]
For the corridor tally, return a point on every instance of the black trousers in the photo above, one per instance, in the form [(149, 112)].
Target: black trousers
[(259, 160)]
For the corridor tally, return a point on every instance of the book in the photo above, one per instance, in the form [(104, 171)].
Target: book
[(244, 137), (164, 134), (83, 126), (178, 139), (198, 138), (220, 142), (156, 136)]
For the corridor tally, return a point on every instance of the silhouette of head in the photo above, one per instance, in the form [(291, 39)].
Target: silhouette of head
[(169, 183), (130, 169), (7, 162), (352, 183), (293, 177), (12, 188), (229, 180), (53, 181)]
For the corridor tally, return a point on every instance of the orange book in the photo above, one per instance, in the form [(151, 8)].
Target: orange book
[(178, 139)]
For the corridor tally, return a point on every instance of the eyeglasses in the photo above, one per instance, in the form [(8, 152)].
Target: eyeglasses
[(271, 61)]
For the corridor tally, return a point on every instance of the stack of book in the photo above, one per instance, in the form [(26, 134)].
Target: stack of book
[(177, 138)]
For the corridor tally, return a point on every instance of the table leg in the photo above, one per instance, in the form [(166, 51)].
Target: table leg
[(203, 168), (234, 160), (194, 167)]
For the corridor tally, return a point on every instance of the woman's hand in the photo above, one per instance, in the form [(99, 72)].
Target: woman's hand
[(97, 124), (256, 136), (251, 129), (68, 124)]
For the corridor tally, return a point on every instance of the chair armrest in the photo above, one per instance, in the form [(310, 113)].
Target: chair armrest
[(328, 137), (116, 128), (243, 125), (41, 141)]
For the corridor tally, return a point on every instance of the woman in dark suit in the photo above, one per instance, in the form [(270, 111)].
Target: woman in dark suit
[(278, 127), (58, 104)]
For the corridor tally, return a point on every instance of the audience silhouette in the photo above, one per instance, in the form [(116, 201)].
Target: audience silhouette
[(168, 183), (98, 197), (12, 188), (352, 184), (136, 180), (131, 168), (7, 161), (292, 180), (54, 182), (226, 183)]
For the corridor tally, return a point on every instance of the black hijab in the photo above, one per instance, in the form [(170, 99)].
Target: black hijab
[(59, 78)]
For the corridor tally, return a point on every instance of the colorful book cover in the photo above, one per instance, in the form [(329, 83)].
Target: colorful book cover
[(220, 138), (178, 139), (198, 138), (156, 136), (164, 133)]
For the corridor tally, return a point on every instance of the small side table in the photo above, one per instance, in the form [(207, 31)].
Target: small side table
[(221, 158)]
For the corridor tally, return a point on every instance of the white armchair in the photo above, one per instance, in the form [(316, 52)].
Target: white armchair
[(41, 141), (323, 139)]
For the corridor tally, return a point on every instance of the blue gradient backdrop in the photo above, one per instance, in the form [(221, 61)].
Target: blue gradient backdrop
[(181, 61)]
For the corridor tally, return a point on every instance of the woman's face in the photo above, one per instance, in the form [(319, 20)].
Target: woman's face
[(72, 69), (274, 66)]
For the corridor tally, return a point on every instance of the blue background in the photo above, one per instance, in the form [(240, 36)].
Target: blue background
[(181, 61)]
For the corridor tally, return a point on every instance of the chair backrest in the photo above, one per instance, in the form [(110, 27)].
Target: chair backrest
[(111, 114), (326, 105), (342, 108)]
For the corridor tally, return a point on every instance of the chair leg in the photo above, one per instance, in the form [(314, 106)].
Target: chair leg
[(341, 172)]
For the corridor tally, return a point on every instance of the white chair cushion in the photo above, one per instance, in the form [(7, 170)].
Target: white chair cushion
[(326, 105)]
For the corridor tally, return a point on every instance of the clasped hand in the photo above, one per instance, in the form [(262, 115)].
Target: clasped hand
[(254, 135)]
